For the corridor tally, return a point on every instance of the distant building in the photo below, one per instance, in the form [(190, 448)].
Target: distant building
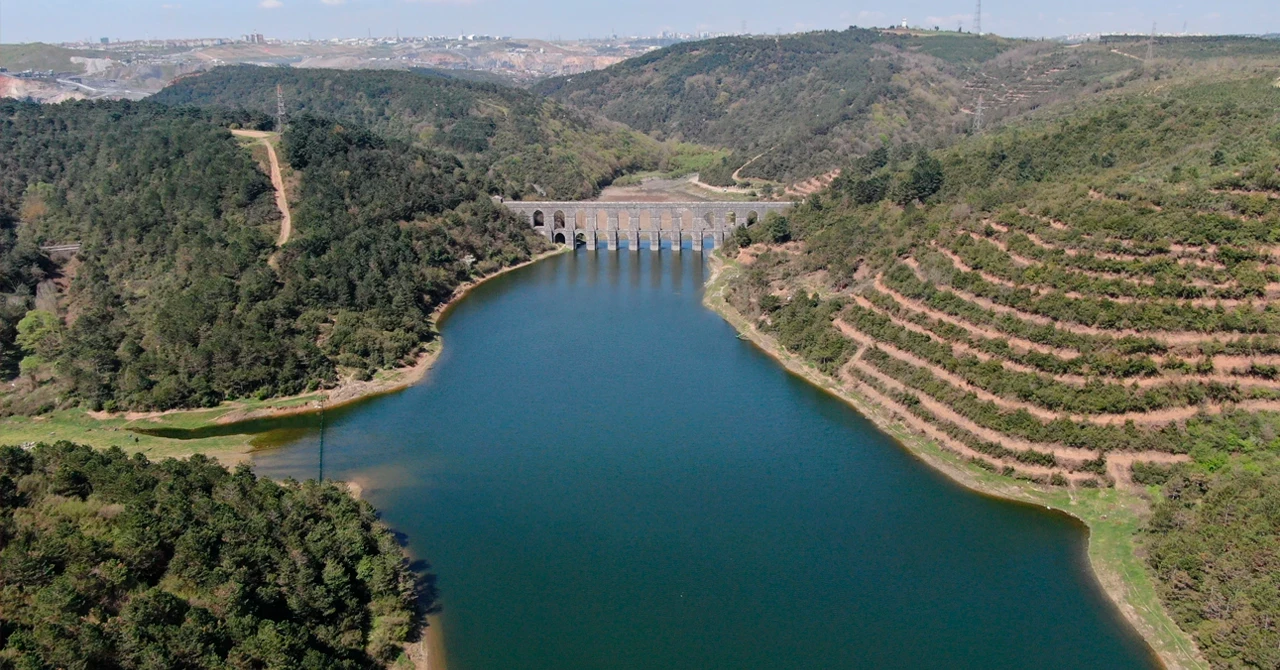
[(104, 40)]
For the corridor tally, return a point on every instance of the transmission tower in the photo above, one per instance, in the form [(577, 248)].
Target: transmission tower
[(279, 109), (1151, 43), (977, 19), (977, 116), (321, 476)]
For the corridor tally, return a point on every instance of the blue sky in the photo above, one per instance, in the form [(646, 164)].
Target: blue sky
[(67, 20)]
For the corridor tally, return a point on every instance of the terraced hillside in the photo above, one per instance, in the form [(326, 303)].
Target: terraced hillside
[(1086, 300)]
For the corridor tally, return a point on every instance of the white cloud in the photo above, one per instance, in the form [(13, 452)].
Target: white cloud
[(271, 4)]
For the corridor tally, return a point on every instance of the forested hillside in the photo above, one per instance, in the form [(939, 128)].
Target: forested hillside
[(797, 106), (171, 301), (1088, 299), (112, 561), (521, 140)]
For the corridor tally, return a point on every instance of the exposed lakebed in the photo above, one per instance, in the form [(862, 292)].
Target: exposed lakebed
[(603, 476)]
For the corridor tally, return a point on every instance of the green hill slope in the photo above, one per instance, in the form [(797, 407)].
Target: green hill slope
[(809, 103), (171, 301), (523, 141), (808, 100), (1089, 298)]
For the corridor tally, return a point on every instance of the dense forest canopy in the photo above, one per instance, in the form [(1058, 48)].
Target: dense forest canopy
[(113, 561), (523, 141), (171, 301), (1212, 543), (1113, 257)]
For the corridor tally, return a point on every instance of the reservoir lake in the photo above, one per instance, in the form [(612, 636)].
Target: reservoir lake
[(601, 475)]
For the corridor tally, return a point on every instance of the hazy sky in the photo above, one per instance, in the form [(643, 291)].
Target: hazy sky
[(67, 20)]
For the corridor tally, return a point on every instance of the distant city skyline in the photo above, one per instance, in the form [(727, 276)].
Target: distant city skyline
[(69, 21)]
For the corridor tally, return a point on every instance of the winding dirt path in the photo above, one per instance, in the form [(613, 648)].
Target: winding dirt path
[(960, 265), (1112, 256), (989, 333), (938, 435), (1169, 338), (962, 349), (1151, 418), (737, 174), (1023, 261), (277, 182), (1235, 367)]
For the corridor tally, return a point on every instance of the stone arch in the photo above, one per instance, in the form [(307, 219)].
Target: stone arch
[(580, 238), (538, 220), (709, 219), (558, 219), (580, 220), (752, 218), (559, 239), (731, 218)]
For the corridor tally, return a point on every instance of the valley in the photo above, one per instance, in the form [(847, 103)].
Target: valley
[(1047, 270)]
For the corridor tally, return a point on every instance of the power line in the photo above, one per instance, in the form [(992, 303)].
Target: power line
[(321, 477), (280, 113), (1151, 43), (977, 19)]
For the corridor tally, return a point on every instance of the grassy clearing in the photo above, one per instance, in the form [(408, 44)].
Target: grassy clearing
[(78, 426), (679, 159), (1113, 516)]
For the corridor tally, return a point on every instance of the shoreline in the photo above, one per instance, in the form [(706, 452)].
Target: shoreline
[(102, 429), (428, 653), (397, 379), (1107, 514)]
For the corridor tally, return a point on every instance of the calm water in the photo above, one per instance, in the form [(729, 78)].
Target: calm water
[(603, 476)]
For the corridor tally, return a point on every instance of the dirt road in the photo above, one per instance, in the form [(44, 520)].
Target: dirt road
[(277, 181)]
